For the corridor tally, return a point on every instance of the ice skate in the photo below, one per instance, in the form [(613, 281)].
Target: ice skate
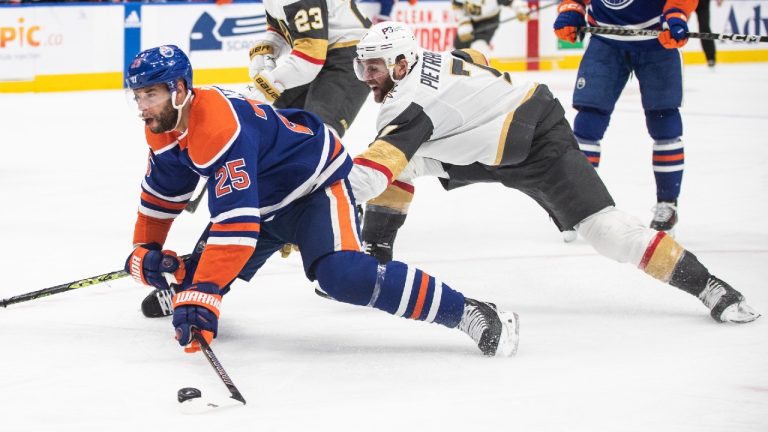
[(665, 217), (570, 236), (725, 303), (158, 303), (496, 333)]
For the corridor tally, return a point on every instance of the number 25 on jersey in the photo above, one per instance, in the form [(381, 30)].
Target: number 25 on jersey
[(232, 175)]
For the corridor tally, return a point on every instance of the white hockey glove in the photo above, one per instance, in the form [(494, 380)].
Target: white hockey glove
[(521, 10), (465, 31), (263, 55), (266, 88)]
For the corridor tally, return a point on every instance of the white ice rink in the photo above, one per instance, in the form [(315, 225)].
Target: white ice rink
[(603, 346)]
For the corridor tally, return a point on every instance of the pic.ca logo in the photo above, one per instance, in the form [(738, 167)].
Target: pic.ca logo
[(22, 34), (19, 35)]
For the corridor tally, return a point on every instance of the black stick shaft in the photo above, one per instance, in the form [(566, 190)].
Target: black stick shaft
[(216, 365), (82, 283), (706, 36), (192, 205)]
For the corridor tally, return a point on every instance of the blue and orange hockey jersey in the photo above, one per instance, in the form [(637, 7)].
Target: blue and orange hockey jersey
[(633, 14), (257, 160)]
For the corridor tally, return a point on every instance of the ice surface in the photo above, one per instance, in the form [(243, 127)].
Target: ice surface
[(603, 347)]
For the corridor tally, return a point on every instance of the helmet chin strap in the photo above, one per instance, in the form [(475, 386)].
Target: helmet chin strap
[(180, 107)]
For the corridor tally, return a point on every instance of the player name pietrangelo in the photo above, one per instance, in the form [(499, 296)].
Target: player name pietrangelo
[(430, 69)]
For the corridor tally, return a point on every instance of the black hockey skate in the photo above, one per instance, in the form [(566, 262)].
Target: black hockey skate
[(496, 333), (158, 303), (664, 216), (725, 303)]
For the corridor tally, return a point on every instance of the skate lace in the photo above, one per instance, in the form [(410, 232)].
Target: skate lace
[(712, 293), (165, 299), (473, 323), (663, 211)]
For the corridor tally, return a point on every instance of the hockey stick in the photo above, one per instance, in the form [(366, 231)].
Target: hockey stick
[(197, 405), (216, 364), (82, 283), (746, 38), (514, 18), (192, 205)]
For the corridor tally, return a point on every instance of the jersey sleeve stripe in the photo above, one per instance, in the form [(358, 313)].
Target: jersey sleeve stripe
[(231, 241), (375, 166), (157, 214), (177, 198), (236, 227), (148, 198), (311, 50), (238, 212), (404, 186)]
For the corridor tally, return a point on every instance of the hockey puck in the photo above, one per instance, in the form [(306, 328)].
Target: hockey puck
[(188, 393)]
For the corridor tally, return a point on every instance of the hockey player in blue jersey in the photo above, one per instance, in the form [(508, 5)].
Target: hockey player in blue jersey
[(656, 62), (275, 177)]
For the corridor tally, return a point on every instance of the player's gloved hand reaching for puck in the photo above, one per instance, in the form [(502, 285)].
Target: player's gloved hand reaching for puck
[(196, 308), (148, 265)]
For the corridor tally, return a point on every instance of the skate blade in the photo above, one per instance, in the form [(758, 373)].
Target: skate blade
[(510, 334), (202, 405), (739, 313)]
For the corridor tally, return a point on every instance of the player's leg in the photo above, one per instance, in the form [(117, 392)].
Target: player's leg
[(623, 238), (573, 193), (661, 88), (336, 95), (325, 227), (385, 214), (603, 73)]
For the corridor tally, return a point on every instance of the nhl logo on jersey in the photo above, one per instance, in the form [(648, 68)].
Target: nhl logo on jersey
[(581, 83), (617, 4)]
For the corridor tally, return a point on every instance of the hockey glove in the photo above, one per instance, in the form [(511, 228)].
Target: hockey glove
[(149, 266), (196, 308), (266, 88), (263, 56), (570, 17), (465, 31), (675, 24), (521, 10)]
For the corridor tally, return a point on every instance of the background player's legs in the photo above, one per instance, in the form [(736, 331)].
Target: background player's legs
[(602, 75), (661, 89), (336, 95), (702, 14)]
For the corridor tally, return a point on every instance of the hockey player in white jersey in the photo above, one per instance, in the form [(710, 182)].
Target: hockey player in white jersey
[(305, 59), (479, 19), (433, 122)]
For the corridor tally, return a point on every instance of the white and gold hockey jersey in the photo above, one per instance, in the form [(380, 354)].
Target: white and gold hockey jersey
[(304, 30), (451, 108)]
